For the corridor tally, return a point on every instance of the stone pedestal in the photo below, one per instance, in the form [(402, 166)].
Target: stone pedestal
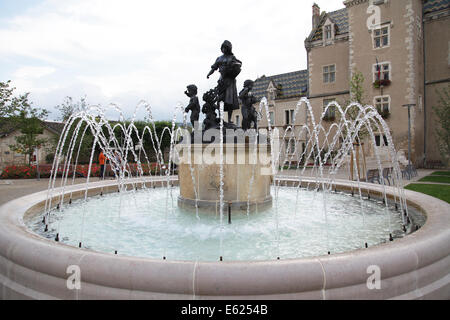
[(200, 180)]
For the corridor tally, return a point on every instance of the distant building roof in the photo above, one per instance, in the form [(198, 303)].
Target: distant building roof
[(55, 126), (7, 126), (340, 20), (430, 6), (289, 85)]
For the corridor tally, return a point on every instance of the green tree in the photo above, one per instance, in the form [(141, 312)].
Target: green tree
[(442, 130), (10, 105), (20, 113), (356, 87), (356, 95), (69, 107)]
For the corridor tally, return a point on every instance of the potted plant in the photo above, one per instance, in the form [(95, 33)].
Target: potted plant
[(379, 83)]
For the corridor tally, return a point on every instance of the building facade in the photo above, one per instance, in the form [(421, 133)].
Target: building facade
[(282, 92), (8, 133), (402, 50)]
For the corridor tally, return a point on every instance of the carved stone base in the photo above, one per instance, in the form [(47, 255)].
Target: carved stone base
[(200, 180)]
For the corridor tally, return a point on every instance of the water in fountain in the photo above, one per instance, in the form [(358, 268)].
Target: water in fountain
[(144, 221)]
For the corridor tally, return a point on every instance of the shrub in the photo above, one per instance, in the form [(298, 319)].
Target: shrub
[(49, 158), (19, 172)]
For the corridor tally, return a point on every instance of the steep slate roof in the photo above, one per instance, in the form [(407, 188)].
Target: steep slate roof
[(340, 20), (435, 5), (289, 85)]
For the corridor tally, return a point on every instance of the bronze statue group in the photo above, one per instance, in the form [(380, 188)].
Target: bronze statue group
[(229, 68)]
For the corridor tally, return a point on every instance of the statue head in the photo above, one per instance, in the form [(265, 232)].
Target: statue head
[(248, 84), (209, 96), (191, 90), (226, 47)]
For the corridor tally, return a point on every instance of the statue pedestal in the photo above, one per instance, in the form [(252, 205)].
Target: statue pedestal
[(200, 180)]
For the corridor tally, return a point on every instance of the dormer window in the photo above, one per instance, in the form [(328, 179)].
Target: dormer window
[(327, 31), (271, 93)]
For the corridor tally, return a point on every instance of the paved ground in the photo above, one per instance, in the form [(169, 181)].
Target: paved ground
[(16, 188), (12, 189)]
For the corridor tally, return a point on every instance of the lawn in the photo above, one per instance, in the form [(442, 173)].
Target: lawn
[(434, 178), (441, 173), (438, 191)]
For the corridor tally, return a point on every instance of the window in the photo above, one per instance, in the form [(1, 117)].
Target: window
[(382, 103), (238, 120), (271, 93), (271, 118), (382, 71), (331, 111), (327, 30), (291, 146), (329, 73), (381, 37), (379, 142), (286, 117), (289, 116)]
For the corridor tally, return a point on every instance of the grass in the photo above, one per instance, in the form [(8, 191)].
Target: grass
[(441, 179), (438, 191), (441, 173)]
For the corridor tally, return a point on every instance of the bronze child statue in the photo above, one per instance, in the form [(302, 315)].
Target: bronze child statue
[(209, 109), (194, 105), (229, 67), (249, 114)]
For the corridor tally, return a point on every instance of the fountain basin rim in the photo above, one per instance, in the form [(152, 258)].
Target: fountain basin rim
[(319, 277)]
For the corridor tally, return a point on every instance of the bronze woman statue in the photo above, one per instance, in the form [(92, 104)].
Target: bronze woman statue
[(229, 67)]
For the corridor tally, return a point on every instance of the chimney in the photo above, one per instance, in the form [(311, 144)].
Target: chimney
[(315, 15)]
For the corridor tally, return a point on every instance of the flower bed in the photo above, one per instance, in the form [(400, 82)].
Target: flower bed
[(30, 172)]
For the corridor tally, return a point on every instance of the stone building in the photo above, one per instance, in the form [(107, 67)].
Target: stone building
[(283, 92), (402, 49), (8, 132)]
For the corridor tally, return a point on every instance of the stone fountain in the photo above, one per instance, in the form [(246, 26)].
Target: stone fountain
[(127, 239)]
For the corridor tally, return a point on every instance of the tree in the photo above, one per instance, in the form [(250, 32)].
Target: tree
[(356, 95), (20, 113), (69, 107), (442, 130), (5, 98), (352, 112), (10, 105), (356, 87)]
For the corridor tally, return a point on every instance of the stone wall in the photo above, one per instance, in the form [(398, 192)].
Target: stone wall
[(9, 157)]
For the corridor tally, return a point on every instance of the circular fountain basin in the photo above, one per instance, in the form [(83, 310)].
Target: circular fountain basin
[(148, 223), (415, 266)]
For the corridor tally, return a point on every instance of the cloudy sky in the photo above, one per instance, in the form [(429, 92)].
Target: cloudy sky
[(124, 51)]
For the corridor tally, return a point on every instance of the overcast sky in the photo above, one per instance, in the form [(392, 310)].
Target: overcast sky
[(126, 51)]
